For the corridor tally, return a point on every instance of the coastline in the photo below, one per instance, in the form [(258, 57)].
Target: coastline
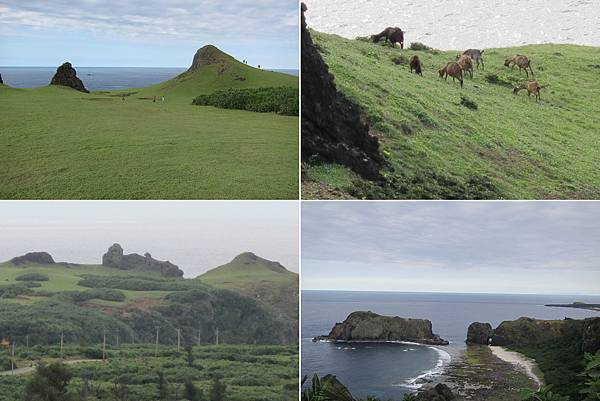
[(519, 360)]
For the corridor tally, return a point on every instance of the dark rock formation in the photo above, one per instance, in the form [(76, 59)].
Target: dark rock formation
[(479, 333), (208, 55), (42, 258), (582, 334), (1, 81), (114, 257), (67, 76), (332, 128), (440, 392), (371, 327), (249, 258)]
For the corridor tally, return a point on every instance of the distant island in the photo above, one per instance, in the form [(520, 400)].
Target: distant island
[(363, 326), (577, 305)]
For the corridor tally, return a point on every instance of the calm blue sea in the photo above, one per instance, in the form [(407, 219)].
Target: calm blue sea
[(96, 78), (389, 371)]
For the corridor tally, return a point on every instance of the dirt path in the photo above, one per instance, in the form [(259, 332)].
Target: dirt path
[(29, 369)]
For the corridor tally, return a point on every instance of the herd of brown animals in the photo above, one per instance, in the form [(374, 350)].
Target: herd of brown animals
[(464, 63)]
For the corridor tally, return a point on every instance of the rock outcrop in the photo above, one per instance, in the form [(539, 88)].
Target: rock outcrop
[(1, 81), (207, 55), (370, 327), (479, 333), (582, 334), (67, 76), (333, 130), (42, 258), (249, 258), (439, 392), (114, 257)]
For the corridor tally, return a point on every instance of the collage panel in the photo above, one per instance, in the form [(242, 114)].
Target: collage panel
[(149, 301), (450, 100), (450, 301), (149, 100)]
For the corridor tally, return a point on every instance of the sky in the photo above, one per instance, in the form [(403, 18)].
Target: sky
[(469, 247), (196, 236), (146, 33)]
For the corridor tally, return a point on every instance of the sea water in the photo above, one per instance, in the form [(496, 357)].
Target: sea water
[(390, 370), (461, 24), (97, 78)]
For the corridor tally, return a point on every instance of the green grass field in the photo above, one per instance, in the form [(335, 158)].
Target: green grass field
[(250, 372), (510, 146), (58, 143)]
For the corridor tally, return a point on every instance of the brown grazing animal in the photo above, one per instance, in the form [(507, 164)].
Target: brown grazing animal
[(531, 87), (393, 35), (455, 71), (521, 61), (466, 63), (476, 55), (415, 64), (442, 71)]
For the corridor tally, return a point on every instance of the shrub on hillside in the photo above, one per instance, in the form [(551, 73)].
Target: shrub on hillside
[(418, 46), (281, 100), (15, 290), (32, 277)]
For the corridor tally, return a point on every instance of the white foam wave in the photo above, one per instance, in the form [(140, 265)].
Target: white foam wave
[(416, 383)]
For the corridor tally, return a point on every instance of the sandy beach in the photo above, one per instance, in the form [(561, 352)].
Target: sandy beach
[(450, 25), (517, 359)]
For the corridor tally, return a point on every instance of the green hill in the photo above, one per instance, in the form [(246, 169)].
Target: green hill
[(214, 70), (41, 300), (267, 282), (63, 144), (480, 141)]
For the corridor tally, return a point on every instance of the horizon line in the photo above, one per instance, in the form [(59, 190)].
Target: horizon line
[(456, 292), (126, 66)]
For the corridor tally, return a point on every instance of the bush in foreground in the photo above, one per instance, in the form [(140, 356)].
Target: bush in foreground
[(281, 100)]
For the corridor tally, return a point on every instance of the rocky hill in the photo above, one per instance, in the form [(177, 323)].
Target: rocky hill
[(370, 327), (43, 258), (114, 257)]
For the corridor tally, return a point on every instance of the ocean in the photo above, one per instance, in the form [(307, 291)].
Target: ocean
[(388, 371), (97, 78), (461, 24)]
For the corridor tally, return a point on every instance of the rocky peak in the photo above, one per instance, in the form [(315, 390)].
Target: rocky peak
[(67, 76), (249, 258), (115, 257), (208, 55), (42, 258)]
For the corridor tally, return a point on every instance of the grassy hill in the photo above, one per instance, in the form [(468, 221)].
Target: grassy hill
[(58, 143), (82, 300), (441, 146), (267, 282)]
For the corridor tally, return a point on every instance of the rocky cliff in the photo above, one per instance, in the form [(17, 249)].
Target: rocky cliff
[(114, 257), (67, 76), (332, 128), (1, 81), (42, 258), (584, 334), (208, 55), (371, 327)]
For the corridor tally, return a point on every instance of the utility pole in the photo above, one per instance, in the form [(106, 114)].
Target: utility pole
[(117, 337), (104, 345), (178, 340), (199, 335), (217, 337), (156, 346), (12, 359), (62, 342), (27, 340)]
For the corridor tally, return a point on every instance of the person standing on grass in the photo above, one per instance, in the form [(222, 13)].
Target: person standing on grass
[(162, 99), (154, 99), (123, 98)]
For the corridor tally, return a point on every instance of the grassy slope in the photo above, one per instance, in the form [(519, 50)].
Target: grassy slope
[(58, 143), (528, 150), (62, 278), (278, 288)]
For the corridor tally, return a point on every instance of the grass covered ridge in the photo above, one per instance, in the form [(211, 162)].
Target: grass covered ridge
[(477, 142), (281, 100)]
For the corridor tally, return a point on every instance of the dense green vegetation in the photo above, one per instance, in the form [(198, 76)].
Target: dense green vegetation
[(32, 277), (282, 100), (236, 372), (481, 141), (59, 143)]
